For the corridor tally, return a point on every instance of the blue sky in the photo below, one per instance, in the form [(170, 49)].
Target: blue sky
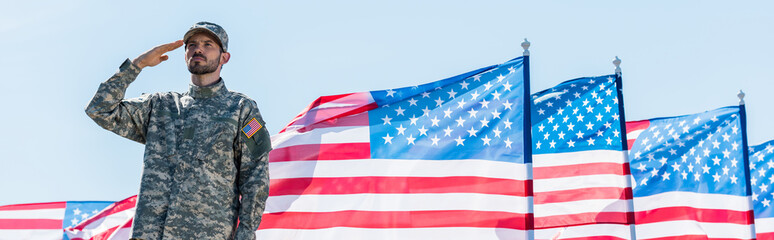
[(678, 58)]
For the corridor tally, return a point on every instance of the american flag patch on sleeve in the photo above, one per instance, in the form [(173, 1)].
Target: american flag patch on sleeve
[(251, 128)]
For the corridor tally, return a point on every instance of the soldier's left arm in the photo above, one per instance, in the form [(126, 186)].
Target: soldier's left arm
[(252, 157)]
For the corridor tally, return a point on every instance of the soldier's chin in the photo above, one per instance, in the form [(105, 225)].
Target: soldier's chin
[(200, 69)]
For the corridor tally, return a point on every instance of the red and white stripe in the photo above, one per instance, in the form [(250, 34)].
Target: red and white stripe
[(582, 195), (633, 130), (586, 232), (764, 228), (325, 185), (330, 108), (114, 222), (689, 215), (32, 221)]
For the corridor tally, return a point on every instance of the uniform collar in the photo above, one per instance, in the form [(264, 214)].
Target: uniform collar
[(208, 91)]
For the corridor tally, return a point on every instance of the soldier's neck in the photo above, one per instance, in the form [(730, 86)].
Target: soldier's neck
[(204, 80)]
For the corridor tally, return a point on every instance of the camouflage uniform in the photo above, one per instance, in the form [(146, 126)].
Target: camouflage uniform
[(198, 161)]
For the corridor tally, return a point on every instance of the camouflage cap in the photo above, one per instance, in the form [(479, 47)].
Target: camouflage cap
[(211, 28)]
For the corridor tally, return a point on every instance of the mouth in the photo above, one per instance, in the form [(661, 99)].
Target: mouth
[(198, 58)]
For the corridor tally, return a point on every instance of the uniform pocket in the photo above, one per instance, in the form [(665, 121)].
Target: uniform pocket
[(161, 134), (218, 134), (215, 139)]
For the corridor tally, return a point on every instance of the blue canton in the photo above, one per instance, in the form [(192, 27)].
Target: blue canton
[(762, 179), (700, 153), (477, 115), (577, 115), (78, 211)]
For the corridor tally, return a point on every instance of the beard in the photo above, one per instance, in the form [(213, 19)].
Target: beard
[(203, 68)]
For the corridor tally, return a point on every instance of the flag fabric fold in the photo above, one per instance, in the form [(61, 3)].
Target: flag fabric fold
[(112, 223), (580, 170), (689, 176), (43, 221), (762, 183), (440, 160)]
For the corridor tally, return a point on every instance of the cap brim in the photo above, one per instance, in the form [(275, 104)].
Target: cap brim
[(194, 31)]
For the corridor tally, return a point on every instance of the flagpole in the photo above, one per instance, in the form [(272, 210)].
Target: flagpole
[(625, 146), (527, 132), (745, 146), (746, 154)]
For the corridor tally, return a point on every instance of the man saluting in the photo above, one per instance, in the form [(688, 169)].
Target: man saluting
[(206, 150)]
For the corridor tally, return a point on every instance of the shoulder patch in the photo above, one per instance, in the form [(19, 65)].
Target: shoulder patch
[(251, 128)]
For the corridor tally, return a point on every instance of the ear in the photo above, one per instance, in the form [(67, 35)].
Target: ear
[(224, 57)]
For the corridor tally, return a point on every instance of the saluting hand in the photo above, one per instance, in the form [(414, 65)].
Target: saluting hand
[(156, 55)]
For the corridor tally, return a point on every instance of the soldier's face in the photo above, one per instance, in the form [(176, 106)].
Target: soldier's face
[(203, 54)]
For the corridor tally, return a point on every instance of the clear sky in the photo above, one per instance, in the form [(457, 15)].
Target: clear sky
[(679, 57)]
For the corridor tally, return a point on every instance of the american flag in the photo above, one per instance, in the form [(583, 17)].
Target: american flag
[(112, 223), (762, 183), (689, 176), (580, 170), (251, 128), (45, 221), (443, 160)]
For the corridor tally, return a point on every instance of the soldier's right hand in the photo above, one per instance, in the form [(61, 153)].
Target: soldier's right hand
[(156, 55)]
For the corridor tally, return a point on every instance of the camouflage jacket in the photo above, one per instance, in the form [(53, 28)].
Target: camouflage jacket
[(200, 158)]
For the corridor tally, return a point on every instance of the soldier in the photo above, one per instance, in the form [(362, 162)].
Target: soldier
[(206, 150)]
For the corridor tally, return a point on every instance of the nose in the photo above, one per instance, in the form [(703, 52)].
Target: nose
[(196, 49), (193, 49)]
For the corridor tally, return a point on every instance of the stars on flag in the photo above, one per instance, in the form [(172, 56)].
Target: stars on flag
[(701, 148), (576, 115), (77, 215), (478, 112), (762, 178)]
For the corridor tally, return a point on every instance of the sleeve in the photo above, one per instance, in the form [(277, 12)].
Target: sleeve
[(127, 118), (252, 153)]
